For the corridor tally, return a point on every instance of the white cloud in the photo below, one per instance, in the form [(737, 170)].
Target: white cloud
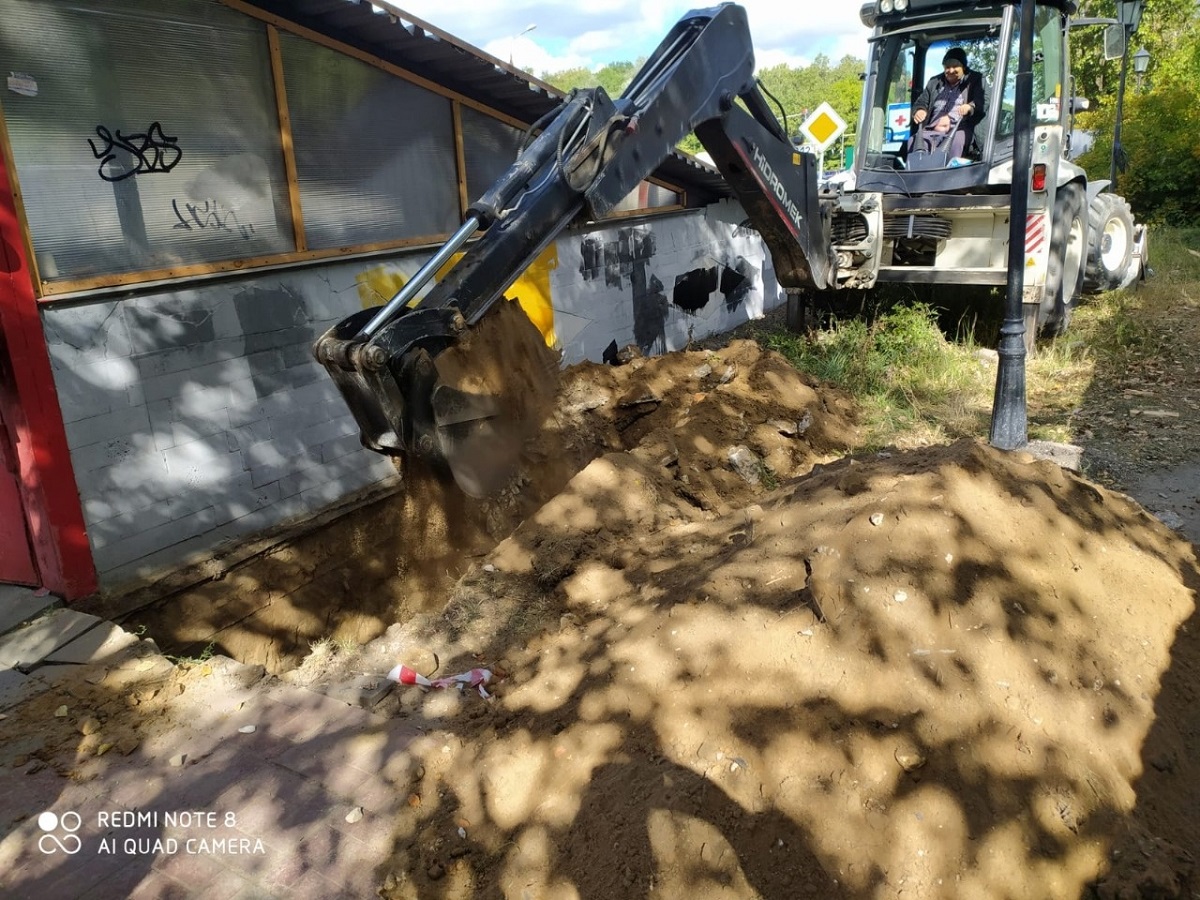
[(571, 34)]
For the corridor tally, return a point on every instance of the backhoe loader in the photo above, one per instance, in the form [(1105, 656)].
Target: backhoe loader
[(884, 221)]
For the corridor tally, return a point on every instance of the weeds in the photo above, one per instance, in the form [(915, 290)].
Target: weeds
[(913, 385), (322, 647), (916, 387), (204, 656), (768, 477), (326, 646)]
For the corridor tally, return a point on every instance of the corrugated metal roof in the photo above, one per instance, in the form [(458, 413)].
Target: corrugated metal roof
[(397, 37)]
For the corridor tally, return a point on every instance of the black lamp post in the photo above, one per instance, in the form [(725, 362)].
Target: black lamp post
[(1129, 14), (1009, 415), (1141, 62)]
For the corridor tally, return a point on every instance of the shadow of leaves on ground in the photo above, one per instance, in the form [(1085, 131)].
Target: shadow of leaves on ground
[(911, 675)]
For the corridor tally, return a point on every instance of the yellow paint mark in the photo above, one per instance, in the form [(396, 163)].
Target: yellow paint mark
[(380, 283), (531, 290)]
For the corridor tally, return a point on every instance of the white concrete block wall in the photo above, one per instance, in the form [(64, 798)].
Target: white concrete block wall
[(198, 415), (593, 309)]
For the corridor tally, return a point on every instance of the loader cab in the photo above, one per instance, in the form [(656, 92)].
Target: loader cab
[(906, 51)]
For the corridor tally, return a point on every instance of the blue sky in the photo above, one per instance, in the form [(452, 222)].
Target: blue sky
[(591, 33)]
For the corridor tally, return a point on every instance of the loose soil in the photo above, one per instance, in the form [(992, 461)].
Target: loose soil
[(734, 657)]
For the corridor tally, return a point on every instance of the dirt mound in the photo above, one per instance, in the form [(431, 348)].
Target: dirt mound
[(930, 674), (723, 427)]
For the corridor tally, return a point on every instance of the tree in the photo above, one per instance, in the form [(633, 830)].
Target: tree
[(613, 77), (1160, 125), (1164, 26)]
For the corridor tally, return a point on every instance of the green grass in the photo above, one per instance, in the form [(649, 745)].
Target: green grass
[(1125, 325), (915, 386)]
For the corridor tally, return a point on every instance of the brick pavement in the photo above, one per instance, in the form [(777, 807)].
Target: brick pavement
[(268, 808)]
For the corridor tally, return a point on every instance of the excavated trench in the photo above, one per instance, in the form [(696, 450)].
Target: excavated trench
[(345, 580), (348, 578), (725, 425)]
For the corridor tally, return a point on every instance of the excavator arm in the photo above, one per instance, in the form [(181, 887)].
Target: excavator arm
[(590, 153)]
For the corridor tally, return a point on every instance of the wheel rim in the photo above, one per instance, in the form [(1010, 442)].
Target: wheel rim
[(1114, 245), (1073, 258)]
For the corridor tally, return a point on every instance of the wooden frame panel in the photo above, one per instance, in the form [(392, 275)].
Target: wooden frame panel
[(9, 165), (460, 158), (285, 139)]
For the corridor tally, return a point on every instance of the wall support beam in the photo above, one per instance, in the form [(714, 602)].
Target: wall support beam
[(53, 513)]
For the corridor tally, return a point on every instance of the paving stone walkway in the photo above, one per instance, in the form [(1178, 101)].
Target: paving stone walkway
[(268, 790)]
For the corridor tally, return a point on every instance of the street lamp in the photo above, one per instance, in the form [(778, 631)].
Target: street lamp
[(1141, 62), (1129, 14), (512, 41)]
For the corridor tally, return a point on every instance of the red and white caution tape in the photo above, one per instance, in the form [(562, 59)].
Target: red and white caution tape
[(476, 678)]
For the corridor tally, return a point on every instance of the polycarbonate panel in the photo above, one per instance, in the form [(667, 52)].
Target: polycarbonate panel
[(145, 134), (374, 153), (648, 195), (489, 147)]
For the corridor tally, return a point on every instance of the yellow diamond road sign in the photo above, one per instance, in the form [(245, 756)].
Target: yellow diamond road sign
[(823, 127)]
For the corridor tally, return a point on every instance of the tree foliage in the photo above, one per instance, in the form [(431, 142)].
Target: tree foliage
[(801, 90), (1160, 124), (613, 77)]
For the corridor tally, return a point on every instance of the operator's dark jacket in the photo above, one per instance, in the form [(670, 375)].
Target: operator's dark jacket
[(973, 82)]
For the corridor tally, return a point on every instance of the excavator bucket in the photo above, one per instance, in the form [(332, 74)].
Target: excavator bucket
[(463, 400), (474, 441), (495, 388)]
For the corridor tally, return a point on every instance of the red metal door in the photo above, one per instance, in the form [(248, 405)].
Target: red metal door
[(16, 555)]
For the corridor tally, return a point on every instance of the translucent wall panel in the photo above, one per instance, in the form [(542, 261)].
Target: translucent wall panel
[(145, 133), (648, 195), (374, 153), (490, 147)]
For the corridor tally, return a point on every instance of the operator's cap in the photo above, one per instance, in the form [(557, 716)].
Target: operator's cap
[(957, 55)]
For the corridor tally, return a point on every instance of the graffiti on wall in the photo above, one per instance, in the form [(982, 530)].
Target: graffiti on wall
[(745, 229), (209, 215), (150, 151), (627, 259), (694, 288)]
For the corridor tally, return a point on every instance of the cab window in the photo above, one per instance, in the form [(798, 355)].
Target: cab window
[(1047, 73)]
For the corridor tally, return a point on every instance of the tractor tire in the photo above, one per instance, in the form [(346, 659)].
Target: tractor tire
[(1064, 272), (1110, 245)]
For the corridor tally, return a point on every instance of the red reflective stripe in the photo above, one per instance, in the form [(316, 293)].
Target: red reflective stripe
[(1035, 232)]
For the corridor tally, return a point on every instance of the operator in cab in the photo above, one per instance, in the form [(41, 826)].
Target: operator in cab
[(949, 108)]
